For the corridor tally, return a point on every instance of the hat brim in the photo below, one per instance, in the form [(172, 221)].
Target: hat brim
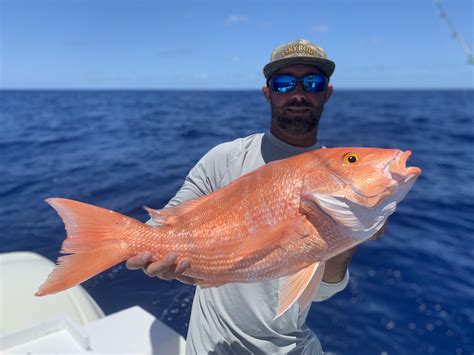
[(325, 65)]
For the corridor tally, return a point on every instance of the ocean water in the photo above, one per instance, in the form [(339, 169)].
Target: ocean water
[(411, 292)]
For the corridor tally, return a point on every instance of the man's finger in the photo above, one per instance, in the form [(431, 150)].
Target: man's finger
[(138, 261), (159, 267), (175, 271), (168, 274), (182, 266)]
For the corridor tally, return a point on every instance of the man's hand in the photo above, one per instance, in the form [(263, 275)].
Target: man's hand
[(166, 268), (336, 267)]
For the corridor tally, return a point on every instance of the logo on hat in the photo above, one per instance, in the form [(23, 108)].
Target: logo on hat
[(300, 51)]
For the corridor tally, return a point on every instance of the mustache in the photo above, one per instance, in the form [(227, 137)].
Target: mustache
[(301, 102)]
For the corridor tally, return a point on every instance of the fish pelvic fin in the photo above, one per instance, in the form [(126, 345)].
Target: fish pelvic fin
[(300, 286), (95, 241)]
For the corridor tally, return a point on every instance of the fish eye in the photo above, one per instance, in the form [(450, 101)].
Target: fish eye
[(350, 158)]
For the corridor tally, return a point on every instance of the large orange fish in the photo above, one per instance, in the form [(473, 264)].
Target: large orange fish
[(282, 220)]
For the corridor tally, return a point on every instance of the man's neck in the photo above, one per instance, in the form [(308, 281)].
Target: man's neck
[(303, 141)]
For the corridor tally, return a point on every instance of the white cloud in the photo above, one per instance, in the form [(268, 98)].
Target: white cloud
[(320, 28), (236, 19)]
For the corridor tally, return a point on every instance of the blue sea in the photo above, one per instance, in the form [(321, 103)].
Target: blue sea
[(411, 292)]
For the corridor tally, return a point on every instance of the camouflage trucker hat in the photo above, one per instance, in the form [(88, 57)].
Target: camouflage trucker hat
[(300, 51)]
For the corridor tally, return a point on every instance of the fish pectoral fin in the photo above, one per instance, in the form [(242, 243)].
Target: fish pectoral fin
[(300, 286), (170, 215), (275, 236), (308, 294)]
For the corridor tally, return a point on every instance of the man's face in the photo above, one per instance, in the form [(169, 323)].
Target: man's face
[(297, 113)]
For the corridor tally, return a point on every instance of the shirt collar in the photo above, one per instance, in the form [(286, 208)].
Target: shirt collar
[(288, 148)]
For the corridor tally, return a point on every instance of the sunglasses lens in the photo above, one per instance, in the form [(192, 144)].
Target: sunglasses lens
[(283, 83), (314, 83), (287, 83)]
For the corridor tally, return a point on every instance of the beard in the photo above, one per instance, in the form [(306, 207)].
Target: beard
[(294, 124)]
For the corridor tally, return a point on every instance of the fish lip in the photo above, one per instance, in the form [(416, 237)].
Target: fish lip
[(398, 169), (390, 188)]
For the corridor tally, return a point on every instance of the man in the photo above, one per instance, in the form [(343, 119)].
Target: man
[(238, 318)]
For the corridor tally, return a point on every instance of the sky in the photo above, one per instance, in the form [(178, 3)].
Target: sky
[(224, 44)]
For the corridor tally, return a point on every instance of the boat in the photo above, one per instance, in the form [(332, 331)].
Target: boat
[(70, 321)]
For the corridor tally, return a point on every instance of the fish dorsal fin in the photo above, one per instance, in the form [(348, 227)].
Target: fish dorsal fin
[(170, 215), (293, 287), (278, 235)]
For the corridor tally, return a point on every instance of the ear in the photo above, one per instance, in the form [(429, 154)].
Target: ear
[(328, 93), (266, 93)]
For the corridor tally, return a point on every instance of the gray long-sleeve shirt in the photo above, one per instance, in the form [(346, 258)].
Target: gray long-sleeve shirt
[(238, 318)]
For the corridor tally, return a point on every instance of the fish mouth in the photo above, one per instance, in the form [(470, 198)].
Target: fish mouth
[(398, 169)]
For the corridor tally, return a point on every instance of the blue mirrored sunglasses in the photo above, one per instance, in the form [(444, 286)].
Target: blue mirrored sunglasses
[(287, 83)]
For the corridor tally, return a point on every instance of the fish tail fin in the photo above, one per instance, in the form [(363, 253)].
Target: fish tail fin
[(96, 241)]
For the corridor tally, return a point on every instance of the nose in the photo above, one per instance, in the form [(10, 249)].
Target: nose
[(299, 92)]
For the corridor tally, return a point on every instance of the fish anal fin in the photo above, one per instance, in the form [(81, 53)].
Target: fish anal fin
[(274, 236), (293, 287)]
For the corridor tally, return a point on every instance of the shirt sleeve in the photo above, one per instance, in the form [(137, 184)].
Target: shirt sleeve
[(196, 184), (202, 179), (327, 290)]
